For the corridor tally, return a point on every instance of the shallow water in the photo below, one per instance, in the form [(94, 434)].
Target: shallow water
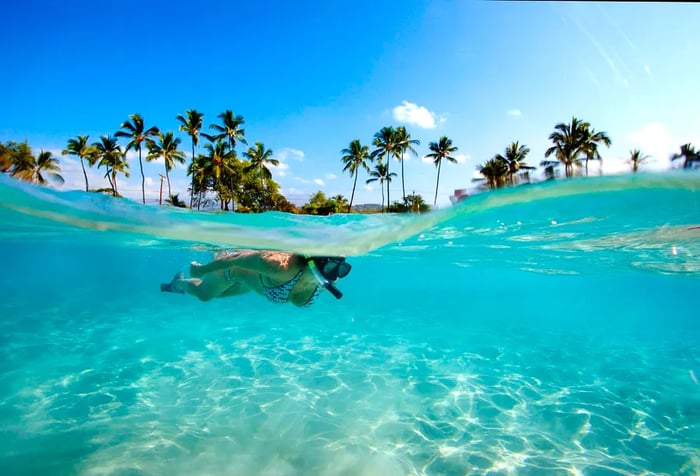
[(548, 329)]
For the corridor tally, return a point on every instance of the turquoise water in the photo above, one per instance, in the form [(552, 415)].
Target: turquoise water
[(549, 329)]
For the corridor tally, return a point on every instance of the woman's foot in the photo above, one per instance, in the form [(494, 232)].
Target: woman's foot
[(172, 286)]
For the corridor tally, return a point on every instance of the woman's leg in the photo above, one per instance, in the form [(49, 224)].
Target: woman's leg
[(211, 286)]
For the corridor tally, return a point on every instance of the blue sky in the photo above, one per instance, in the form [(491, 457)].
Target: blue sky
[(309, 77)]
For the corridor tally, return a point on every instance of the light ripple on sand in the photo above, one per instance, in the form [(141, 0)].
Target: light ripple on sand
[(350, 403)]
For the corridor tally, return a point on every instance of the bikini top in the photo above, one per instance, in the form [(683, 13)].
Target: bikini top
[(280, 294)]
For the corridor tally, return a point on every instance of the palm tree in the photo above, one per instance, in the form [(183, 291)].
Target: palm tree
[(111, 157), (229, 129), (39, 169), (566, 139), (381, 174), (494, 171), (15, 157), (441, 150), (355, 157), (259, 156), (405, 144), (174, 200), (136, 131), (549, 168), (166, 147), (5, 158), (386, 145), (81, 149), (688, 154), (637, 158), (340, 201), (191, 125), (514, 157), (590, 138), (217, 164), (197, 169)]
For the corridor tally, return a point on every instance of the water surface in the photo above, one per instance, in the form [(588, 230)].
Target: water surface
[(546, 329)]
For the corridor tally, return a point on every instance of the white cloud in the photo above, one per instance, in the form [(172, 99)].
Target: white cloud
[(72, 173), (331, 176), (461, 158), (514, 112), (287, 153), (654, 140), (281, 169), (412, 113), (647, 69), (284, 155), (320, 182), (133, 155)]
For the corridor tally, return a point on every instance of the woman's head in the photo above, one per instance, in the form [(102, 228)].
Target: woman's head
[(332, 267), (327, 270)]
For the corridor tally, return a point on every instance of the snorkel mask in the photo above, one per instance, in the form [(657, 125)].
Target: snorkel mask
[(327, 270)]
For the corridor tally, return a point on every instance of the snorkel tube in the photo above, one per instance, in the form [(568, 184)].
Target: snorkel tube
[(322, 279)]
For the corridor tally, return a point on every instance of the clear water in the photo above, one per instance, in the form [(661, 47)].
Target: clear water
[(549, 329)]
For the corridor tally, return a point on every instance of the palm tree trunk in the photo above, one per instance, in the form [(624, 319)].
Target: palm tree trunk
[(382, 198), (192, 189), (108, 176), (352, 195), (85, 174), (233, 197), (262, 192), (167, 176), (437, 184), (403, 186), (143, 179), (388, 195)]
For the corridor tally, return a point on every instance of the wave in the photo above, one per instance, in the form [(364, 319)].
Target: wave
[(28, 208)]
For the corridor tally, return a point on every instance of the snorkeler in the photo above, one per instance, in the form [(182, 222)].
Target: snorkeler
[(279, 276)]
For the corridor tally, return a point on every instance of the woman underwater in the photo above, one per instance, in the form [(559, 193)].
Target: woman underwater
[(279, 276)]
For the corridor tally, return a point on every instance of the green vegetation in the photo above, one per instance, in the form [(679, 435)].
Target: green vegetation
[(18, 160), (138, 134), (84, 151), (636, 158), (191, 125), (355, 157), (320, 205), (576, 142), (438, 151), (165, 148), (688, 154), (110, 156), (381, 174), (246, 184)]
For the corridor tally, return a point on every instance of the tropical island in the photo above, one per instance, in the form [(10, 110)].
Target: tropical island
[(223, 179)]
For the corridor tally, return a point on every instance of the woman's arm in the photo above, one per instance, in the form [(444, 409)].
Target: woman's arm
[(269, 263)]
